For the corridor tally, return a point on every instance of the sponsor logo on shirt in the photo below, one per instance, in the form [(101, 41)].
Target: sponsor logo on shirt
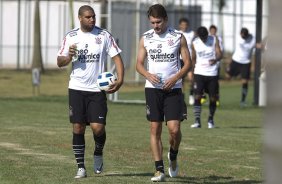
[(85, 57), (158, 56)]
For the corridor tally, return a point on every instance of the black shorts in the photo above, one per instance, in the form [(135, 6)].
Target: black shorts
[(162, 105), (87, 107), (236, 68), (206, 83)]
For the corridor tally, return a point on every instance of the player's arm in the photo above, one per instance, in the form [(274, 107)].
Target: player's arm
[(194, 57), (218, 52), (65, 60), (186, 65), (141, 57), (120, 74)]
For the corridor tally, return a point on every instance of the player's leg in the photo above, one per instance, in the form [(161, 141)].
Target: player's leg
[(173, 117), (77, 118), (155, 114), (174, 141), (156, 145), (212, 86), (245, 75), (199, 85), (191, 90), (96, 113)]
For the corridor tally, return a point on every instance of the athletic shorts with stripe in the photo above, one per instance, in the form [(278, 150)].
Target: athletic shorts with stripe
[(165, 105), (87, 107)]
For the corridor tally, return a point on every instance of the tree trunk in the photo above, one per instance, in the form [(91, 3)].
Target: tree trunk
[(37, 55)]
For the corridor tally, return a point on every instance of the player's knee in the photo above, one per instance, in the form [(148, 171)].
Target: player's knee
[(98, 129), (78, 128)]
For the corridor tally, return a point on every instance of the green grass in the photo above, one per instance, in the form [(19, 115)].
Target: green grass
[(35, 138)]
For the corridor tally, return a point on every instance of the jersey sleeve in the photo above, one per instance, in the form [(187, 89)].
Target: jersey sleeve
[(112, 47), (64, 51)]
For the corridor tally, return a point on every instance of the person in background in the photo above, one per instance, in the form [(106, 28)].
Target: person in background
[(241, 62), (213, 31), (205, 55), (184, 28)]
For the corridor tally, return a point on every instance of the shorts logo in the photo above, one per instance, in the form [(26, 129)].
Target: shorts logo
[(70, 111)]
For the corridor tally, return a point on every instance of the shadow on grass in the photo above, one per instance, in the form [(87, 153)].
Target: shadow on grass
[(184, 179)]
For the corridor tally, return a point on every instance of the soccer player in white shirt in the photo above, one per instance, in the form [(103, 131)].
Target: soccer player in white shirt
[(205, 55), (213, 31), (86, 48), (241, 61), (184, 28), (164, 100)]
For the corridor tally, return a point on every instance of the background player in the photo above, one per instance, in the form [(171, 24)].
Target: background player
[(184, 28), (241, 61), (205, 54)]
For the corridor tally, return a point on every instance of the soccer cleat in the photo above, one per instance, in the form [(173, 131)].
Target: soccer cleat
[(173, 167), (196, 125), (191, 100), (203, 99), (81, 173), (210, 124), (98, 164), (158, 177), (243, 104)]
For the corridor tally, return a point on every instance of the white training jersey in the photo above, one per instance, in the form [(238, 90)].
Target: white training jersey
[(163, 55), (189, 35), (93, 48), (204, 53), (243, 50)]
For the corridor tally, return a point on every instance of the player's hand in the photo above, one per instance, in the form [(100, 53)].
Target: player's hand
[(169, 83), (72, 50), (153, 78), (114, 87), (212, 62)]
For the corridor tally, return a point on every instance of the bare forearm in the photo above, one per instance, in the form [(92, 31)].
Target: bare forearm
[(63, 60)]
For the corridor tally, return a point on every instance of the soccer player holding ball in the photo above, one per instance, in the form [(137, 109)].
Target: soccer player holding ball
[(87, 48), (164, 100)]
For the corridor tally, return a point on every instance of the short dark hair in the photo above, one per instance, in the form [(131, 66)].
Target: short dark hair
[(213, 27), (183, 19), (203, 33), (157, 11), (244, 32), (84, 8)]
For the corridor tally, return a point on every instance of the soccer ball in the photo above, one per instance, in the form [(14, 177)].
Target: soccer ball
[(105, 79)]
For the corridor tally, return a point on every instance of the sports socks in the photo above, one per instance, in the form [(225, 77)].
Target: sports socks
[(212, 108), (173, 154), (99, 144), (78, 146), (244, 92), (159, 166), (197, 110)]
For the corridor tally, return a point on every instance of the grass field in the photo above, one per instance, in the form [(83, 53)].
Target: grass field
[(35, 138)]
